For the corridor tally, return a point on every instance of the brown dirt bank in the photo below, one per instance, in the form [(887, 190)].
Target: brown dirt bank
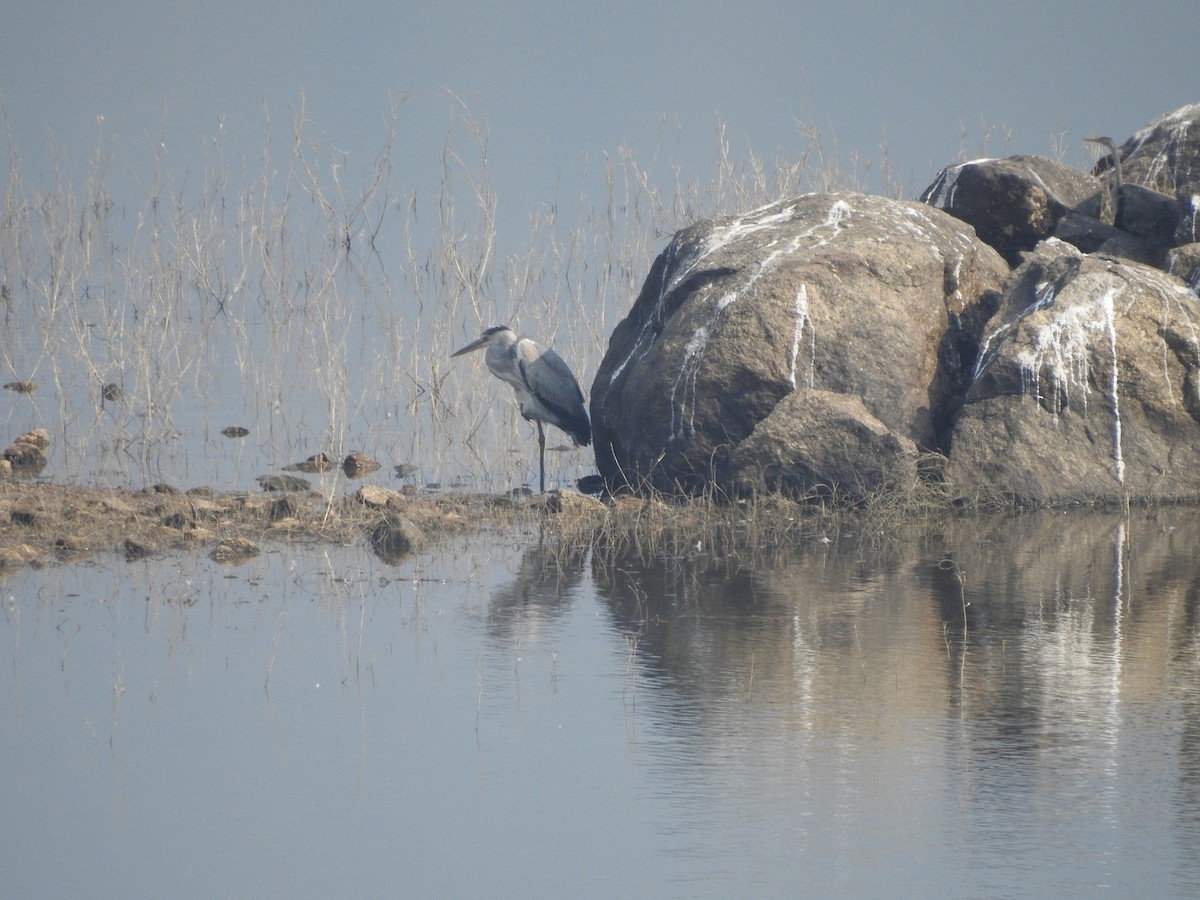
[(41, 523)]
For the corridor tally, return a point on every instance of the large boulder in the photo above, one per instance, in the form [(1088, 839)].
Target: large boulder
[(871, 298), (1165, 155), (1016, 202), (1088, 386), (1160, 171), (825, 443), (1012, 203)]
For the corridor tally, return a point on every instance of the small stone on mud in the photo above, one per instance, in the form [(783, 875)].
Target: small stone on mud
[(179, 520), (71, 546), (283, 483), (570, 502), (377, 497), (287, 507), (591, 484), (25, 517), (12, 557), (151, 540), (38, 437), (137, 548)]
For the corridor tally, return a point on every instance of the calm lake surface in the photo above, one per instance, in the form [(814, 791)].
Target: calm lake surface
[(504, 718)]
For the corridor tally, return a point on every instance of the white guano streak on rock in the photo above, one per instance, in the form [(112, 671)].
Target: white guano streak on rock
[(1043, 296), (1178, 306), (946, 185), (641, 343), (687, 376), (1061, 348), (839, 211), (1110, 320), (1195, 204), (1178, 123), (803, 320), (677, 269)]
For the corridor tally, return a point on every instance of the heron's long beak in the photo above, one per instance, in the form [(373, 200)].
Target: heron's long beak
[(474, 345)]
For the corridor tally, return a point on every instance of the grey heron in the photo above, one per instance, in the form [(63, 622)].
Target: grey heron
[(545, 388), (1115, 190)]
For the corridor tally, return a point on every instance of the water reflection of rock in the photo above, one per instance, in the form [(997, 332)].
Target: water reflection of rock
[(540, 590), (1073, 621), (824, 629), (1076, 622), (1086, 590)]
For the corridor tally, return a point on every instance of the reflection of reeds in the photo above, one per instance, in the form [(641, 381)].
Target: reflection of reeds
[(318, 298), (749, 529)]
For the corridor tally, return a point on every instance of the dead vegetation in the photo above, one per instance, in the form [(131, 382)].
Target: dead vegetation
[(43, 523)]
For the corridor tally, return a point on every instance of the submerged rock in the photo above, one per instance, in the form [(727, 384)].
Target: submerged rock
[(394, 538), (358, 465), (317, 463), (234, 550)]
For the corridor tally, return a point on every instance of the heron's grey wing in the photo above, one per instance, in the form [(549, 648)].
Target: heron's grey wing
[(554, 389), (549, 378)]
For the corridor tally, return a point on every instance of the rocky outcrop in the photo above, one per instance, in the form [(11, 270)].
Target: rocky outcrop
[(846, 294), (1163, 160), (1163, 155), (1088, 387), (1012, 203), (1037, 326)]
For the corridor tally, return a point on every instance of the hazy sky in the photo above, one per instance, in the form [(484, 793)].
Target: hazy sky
[(561, 82)]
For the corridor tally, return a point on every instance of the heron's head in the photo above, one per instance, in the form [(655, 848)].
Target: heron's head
[(1106, 142), (497, 335)]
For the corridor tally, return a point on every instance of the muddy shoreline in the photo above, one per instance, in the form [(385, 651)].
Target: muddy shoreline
[(42, 523)]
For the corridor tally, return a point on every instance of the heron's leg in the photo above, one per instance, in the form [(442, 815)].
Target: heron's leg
[(542, 456)]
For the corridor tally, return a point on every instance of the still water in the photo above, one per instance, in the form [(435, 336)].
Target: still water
[(1000, 709)]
